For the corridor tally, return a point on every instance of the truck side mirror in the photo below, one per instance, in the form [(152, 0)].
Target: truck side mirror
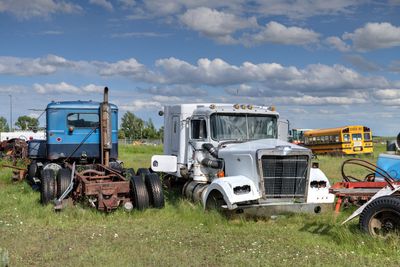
[(71, 129)]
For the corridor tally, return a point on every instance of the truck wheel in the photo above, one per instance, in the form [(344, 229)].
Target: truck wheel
[(48, 187), (154, 187), (381, 216), (129, 173), (32, 170), (63, 181), (140, 195), (215, 201), (142, 172)]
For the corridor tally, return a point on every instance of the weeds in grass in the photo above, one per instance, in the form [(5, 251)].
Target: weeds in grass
[(181, 234)]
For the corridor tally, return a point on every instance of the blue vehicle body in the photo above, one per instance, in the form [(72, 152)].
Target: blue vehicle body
[(71, 135), (389, 163)]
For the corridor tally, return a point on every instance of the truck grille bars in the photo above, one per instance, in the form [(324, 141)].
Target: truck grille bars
[(284, 176)]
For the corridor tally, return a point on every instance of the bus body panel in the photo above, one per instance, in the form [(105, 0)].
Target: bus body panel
[(347, 140)]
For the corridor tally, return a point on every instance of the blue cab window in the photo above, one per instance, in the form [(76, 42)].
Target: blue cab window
[(83, 120)]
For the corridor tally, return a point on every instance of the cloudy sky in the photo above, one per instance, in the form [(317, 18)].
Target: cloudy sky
[(321, 63)]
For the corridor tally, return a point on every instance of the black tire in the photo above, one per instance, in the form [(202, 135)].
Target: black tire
[(63, 181), (129, 173), (214, 201), (154, 188), (142, 172), (381, 216), (48, 186), (139, 193), (32, 171)]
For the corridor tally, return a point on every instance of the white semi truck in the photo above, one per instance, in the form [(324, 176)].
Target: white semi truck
[(232, 159)]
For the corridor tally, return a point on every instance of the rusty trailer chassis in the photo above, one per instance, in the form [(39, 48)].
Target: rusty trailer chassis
[(378, 199), (357, 192), (106, 189)]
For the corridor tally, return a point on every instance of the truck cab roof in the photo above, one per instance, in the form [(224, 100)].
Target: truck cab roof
[(77, 105), (210, 108)]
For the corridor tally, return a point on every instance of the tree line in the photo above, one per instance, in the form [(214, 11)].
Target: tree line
[(132, 127), (23, 123)]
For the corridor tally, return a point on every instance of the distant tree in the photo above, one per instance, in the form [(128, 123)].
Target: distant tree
[(26, 123), (121, 134), (4, 125), (149, 131), (160, 133), (132, 126)]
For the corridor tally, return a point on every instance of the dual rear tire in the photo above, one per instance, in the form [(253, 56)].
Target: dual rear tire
[(54, 184), (146, 190), (48, 190)]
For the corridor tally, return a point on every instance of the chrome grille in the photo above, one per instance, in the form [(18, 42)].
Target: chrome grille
[(285, 176)]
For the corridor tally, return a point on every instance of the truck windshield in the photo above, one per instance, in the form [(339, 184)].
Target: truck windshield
[(243, 127)]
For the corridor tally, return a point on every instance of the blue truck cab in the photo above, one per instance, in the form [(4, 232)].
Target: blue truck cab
[(73, 132)]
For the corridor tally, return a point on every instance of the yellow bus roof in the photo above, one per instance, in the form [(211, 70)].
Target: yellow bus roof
[(334, 130)]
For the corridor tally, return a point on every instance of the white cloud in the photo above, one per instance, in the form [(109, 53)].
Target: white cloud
[(175, 76), (12, 89), (361, 63), (65, 88), (314, 77), (177, 90), (387, 93), (260, 8), (23, 9), (129, 67), (33, 66), (103, 3), (141, 104), (374, 36), (215, 24), (139, 34), (337, 43), (276, 33), (329, 100), (304, 9)]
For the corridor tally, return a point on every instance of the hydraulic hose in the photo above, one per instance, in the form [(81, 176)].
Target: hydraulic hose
[(212, 163), (211, 149)]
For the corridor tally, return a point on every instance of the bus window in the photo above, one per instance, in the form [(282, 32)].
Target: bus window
[(367, 136), (346, 138), (356, 137), (337, 138)]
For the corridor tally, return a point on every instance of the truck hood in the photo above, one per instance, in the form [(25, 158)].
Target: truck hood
[(253, 146)]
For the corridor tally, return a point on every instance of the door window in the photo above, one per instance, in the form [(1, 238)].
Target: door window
[(199, 129), (83, 120)]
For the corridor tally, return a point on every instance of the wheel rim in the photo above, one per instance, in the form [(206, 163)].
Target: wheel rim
[(384, 222)]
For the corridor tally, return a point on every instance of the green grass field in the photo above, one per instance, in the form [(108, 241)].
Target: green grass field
[(182, 234)]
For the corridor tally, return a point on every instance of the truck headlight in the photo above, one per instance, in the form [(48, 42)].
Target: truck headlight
[(238, 190)]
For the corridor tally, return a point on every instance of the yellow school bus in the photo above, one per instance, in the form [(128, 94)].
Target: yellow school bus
[(348, 140)]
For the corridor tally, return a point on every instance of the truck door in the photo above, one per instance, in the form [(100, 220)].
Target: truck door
[(175, 136), (283, 130)]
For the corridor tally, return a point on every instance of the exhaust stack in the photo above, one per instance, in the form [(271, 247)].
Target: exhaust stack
[(105, 130)]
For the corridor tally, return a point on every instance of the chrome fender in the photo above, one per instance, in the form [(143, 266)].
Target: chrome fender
[(234, 189)]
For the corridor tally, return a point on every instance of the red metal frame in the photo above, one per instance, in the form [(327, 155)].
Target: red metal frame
[(106, 185), (361, 190)]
